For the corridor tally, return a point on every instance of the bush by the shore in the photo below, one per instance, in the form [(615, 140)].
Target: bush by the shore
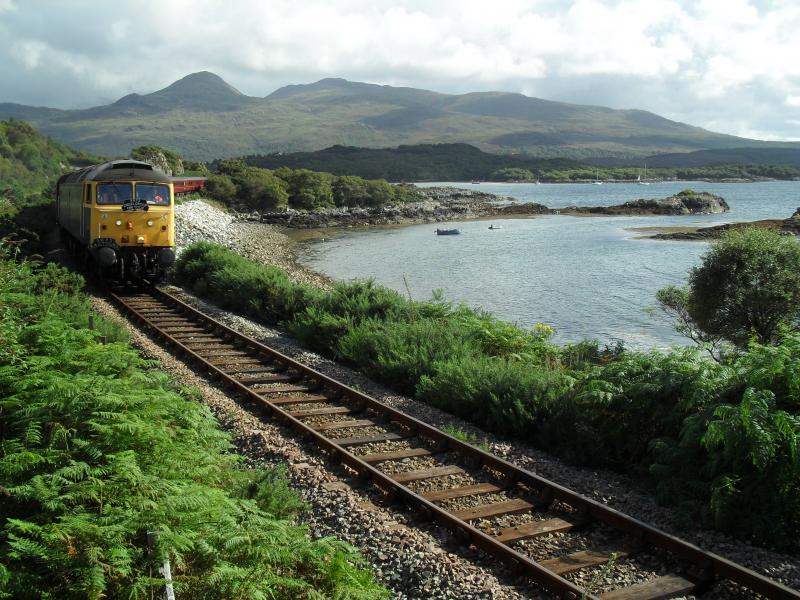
[(97, 448), (716, 439)]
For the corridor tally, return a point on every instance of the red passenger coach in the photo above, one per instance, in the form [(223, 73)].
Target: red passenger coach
[(188, 185)]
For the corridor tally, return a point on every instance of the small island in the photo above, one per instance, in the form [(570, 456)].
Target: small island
[(687, 202)]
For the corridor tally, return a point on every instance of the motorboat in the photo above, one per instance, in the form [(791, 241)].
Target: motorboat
[(448, 231), (495, 226)]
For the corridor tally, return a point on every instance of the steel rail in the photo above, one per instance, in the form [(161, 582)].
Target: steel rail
[(709, 566)]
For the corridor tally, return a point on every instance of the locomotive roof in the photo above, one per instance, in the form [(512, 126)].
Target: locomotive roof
[(117, 170)]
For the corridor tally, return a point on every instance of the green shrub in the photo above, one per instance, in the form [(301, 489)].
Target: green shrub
[(502, 395), (753, 451), (400, 354)]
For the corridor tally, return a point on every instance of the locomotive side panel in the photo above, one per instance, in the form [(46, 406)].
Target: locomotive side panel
[(74, 215)]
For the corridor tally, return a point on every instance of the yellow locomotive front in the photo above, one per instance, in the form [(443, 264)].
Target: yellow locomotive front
[(121, 215)]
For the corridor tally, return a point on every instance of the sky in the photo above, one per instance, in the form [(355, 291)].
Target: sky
[(731, 66)]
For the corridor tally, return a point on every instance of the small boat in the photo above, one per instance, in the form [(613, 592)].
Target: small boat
[(597, 178), (639, 180), (448, 231), (475, 182), (495, 226)]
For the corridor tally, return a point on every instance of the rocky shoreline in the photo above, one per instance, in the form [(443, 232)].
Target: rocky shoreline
[(448, 204), (788, 226), (197, 221), (440, 204)]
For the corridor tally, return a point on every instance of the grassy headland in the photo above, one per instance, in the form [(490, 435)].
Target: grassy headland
[(714, 438)]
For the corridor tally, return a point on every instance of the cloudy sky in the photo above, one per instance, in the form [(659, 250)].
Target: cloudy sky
[(731, 66)]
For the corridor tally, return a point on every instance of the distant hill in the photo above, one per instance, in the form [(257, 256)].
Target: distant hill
[(726, 156), (203, 117), (423, 162)]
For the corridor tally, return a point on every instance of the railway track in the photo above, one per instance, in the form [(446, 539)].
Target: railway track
[(494, 504)]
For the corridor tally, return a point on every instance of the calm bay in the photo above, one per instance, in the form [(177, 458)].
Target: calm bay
[(587, 277)]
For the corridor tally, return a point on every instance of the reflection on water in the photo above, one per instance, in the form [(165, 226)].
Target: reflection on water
[(586, 277)]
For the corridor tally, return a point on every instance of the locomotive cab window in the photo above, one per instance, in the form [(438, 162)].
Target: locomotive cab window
[(153, 193), (114, 193)]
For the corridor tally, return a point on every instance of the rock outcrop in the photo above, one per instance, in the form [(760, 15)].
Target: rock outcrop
[(440, 204), (160, 162), (788, 226), (687, 202)]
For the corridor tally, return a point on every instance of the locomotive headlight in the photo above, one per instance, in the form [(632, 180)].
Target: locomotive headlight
[(149, 222), (118, 223)]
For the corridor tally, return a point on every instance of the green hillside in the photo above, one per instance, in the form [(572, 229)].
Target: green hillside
[(423, 162), (30, 163), (202, 117)]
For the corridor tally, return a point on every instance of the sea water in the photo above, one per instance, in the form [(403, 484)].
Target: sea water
[(587, 277)]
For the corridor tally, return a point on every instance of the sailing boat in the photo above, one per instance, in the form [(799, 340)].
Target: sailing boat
[(597, 178), (639, 177)]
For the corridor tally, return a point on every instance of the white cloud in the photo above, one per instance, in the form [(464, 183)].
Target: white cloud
[(710, 60)]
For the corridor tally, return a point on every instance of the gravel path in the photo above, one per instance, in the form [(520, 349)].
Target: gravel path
[(423, 567)]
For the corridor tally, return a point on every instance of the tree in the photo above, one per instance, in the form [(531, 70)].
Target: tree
[(511, 174), (380, 192), (747, 288), (260, 189), (309, 190), (221, 187), (350, 190)]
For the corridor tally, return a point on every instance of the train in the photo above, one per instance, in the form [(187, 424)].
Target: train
[(120, 216), (187, 185)]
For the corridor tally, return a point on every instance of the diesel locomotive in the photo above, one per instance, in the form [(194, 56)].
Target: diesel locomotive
[(120, 216)]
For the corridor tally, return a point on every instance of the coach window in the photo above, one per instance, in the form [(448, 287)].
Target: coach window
[(114, 193), (153, 193)]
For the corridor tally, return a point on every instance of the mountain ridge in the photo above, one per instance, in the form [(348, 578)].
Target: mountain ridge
[(204, 117)]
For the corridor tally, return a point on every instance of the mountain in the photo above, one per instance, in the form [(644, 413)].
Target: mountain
[(203, 117)]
